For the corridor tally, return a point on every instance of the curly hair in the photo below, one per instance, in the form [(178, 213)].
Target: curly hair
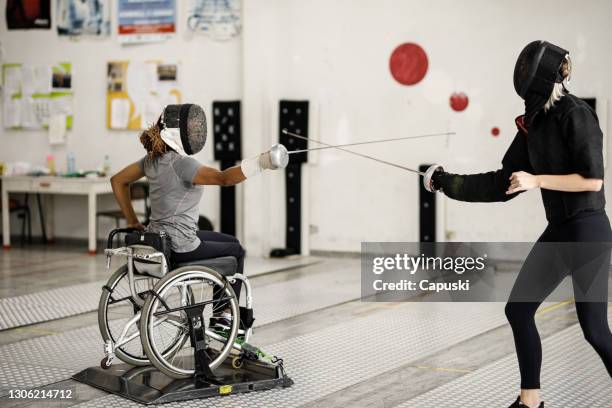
[(152, 142)]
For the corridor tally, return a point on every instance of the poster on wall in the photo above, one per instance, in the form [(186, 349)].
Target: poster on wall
[(33, 94), (220, 19), (28, 14), (145, 20), (83, 18), (138, 91)]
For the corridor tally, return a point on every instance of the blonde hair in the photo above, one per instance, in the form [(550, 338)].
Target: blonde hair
[(559, 89)]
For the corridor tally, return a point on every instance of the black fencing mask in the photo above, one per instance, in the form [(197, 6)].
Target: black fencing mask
[(183, 128), (537, 70)]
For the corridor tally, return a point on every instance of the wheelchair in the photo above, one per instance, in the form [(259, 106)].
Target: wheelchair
[(154, 312)]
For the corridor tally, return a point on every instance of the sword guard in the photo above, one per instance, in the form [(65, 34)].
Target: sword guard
[(427, 177)]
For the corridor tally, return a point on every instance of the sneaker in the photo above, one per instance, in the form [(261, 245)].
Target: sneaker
[(519, 404), (221, 323)]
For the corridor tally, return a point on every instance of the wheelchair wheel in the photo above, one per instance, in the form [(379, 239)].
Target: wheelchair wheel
[(116, 308), (183, 287)]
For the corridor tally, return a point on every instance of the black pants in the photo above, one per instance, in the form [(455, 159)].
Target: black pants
[(215, 245), (592, 315)]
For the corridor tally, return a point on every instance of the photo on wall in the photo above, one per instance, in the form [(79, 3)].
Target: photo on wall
[(28, 14), (138, 91), (83, 18)]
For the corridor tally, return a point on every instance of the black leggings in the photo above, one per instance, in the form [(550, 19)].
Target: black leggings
[(213, 245), (592, 315)]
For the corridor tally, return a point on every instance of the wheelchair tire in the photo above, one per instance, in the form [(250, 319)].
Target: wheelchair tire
[(163, 288), (125, 355)]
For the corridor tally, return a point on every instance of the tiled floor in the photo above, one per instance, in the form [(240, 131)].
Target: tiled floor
[(340, 351)]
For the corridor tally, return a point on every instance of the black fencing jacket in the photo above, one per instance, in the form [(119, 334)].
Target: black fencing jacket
[(565, 140)]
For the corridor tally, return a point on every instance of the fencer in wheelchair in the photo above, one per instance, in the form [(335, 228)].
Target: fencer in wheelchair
[(174, 280)]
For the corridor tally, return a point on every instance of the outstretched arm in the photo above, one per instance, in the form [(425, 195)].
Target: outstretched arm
[(213, 177), (121, 188), (491, 186), (477, 188), (275, 158)]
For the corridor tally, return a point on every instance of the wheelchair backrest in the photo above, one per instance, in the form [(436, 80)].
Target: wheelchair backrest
[(155, 268), (147, 243)]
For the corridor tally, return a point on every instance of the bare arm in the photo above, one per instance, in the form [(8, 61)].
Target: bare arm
[(573, 183), (213, 177), (121, 188)]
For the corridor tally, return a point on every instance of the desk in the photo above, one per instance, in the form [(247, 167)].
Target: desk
[(90, 187)]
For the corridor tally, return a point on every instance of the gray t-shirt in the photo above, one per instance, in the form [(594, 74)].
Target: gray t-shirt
[(174, 198)]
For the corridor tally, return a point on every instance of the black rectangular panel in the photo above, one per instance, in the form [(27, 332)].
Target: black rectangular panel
[(228, 204), (427, 211), (227, 130), (293, 184), (293, 116)]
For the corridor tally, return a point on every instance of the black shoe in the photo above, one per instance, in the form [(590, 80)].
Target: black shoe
[(518, 404), (220, 324)]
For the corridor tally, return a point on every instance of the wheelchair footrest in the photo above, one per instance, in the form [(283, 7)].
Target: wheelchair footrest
[(147, 385)]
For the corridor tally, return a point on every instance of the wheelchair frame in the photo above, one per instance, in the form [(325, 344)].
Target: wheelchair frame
[(110, 347)]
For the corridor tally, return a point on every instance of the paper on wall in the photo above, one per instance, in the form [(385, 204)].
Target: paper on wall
[(12, 113), (34, 112), (61, 104), (147, 85), (12, 80), (57, 129), (151, 112), (36, 79), (120, 113)]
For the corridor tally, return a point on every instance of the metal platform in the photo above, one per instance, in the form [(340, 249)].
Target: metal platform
[(331, 359), (147, 385)]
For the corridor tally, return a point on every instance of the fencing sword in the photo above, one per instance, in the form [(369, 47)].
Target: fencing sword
[(365, 156), (280, 151), (368, 142)]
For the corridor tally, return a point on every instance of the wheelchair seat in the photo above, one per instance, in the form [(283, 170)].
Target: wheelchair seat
[(225, 265)]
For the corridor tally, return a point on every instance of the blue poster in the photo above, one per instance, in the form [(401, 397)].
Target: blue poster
[(146, 20)]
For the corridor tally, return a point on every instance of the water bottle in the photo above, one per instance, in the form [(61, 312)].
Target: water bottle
[(51, 164), (71, 165), (106, 166)]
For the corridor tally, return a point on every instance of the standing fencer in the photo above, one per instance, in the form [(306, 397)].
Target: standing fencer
[(175, 181), (557, 149)]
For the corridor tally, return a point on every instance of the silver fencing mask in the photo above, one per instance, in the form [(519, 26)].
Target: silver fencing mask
[(183, 128)]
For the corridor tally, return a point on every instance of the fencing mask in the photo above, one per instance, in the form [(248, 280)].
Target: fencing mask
[(183, 128), (537, 70)]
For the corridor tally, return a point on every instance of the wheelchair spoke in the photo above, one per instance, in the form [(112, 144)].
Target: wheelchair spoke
[(180, 296)]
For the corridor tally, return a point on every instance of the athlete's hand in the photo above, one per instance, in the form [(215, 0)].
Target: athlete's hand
[(522, 181), (137, 226)]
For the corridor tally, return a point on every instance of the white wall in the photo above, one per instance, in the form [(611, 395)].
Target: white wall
[(336, 54), (208, 71)]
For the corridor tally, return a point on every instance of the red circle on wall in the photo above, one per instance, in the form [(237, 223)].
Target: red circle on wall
[(495, 131), (408, 64), (459, 101)]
